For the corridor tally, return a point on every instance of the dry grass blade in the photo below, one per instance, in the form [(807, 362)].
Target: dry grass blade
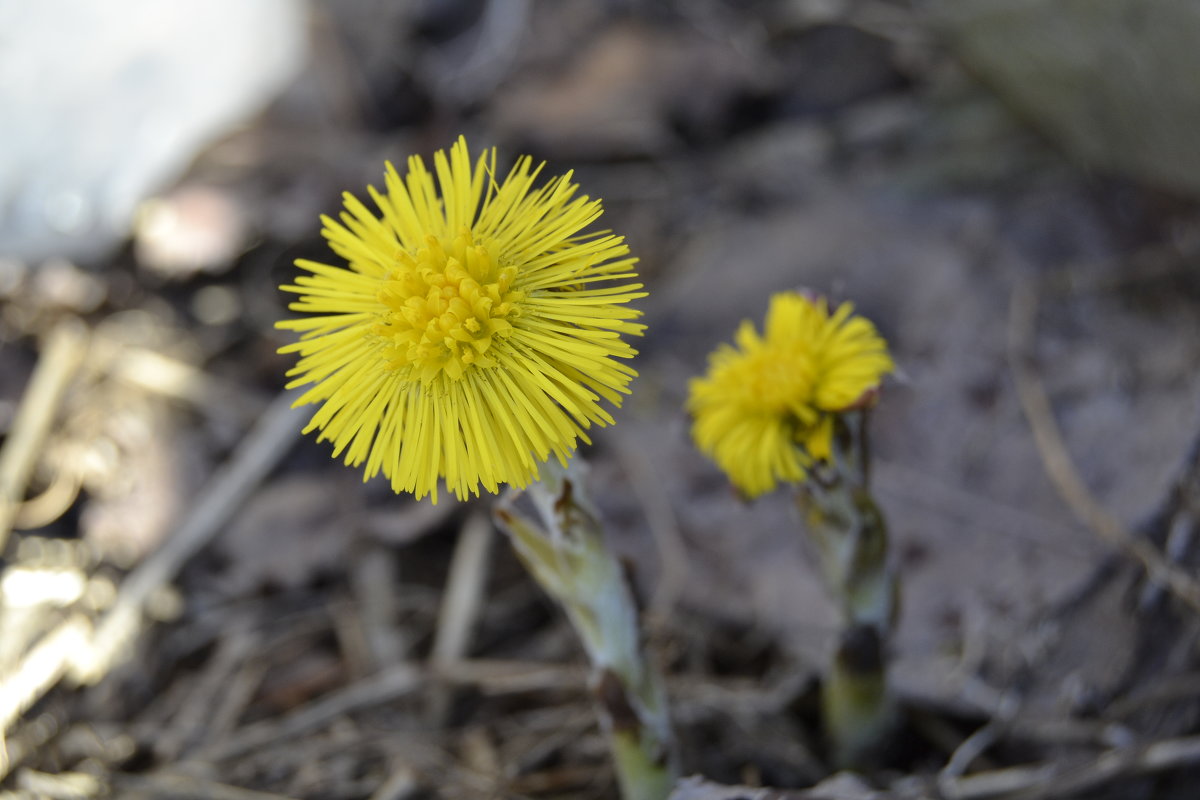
[(262, 448), (1057, 460), (400, 784), (461, 603), (396, 682), (62, 357), (39, 670), (464, 590), (674, 563), (514, 677), (64, 785), (73, 647), (375, 581), (1055, 779), (181, 787)]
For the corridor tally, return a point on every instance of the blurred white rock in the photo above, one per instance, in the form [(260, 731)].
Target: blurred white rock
[(102, 103)]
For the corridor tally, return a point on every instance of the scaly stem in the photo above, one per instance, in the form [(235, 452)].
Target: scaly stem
[(852, 544), (567, 556)]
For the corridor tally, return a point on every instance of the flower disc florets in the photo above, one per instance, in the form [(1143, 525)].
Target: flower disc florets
[(447, 306), (765, 410), (474, 330)]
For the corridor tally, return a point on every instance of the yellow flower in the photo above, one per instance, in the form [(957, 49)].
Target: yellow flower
[(474, 330), (765, 409)]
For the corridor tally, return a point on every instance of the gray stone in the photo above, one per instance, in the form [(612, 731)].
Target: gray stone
[(1113, 82)]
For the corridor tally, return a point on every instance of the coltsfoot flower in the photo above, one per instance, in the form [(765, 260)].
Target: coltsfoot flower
[(765, 410), (474, 330)]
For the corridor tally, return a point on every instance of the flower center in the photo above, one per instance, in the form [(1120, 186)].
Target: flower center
[(779, 380), (447, 304)]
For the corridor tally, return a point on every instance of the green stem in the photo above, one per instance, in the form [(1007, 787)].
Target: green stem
[(566, 554), (850, 532), (858, 711)]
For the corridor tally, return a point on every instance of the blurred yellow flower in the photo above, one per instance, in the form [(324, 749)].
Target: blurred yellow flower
[(474, 330), (765, 409)]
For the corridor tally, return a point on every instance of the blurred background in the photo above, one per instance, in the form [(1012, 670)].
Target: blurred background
[(194, 602)]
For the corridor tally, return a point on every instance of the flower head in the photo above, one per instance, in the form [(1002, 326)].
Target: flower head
[(764, 412), (473, 331)]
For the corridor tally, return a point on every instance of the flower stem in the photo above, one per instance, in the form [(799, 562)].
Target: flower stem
[(566, 554), (852, 544)]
